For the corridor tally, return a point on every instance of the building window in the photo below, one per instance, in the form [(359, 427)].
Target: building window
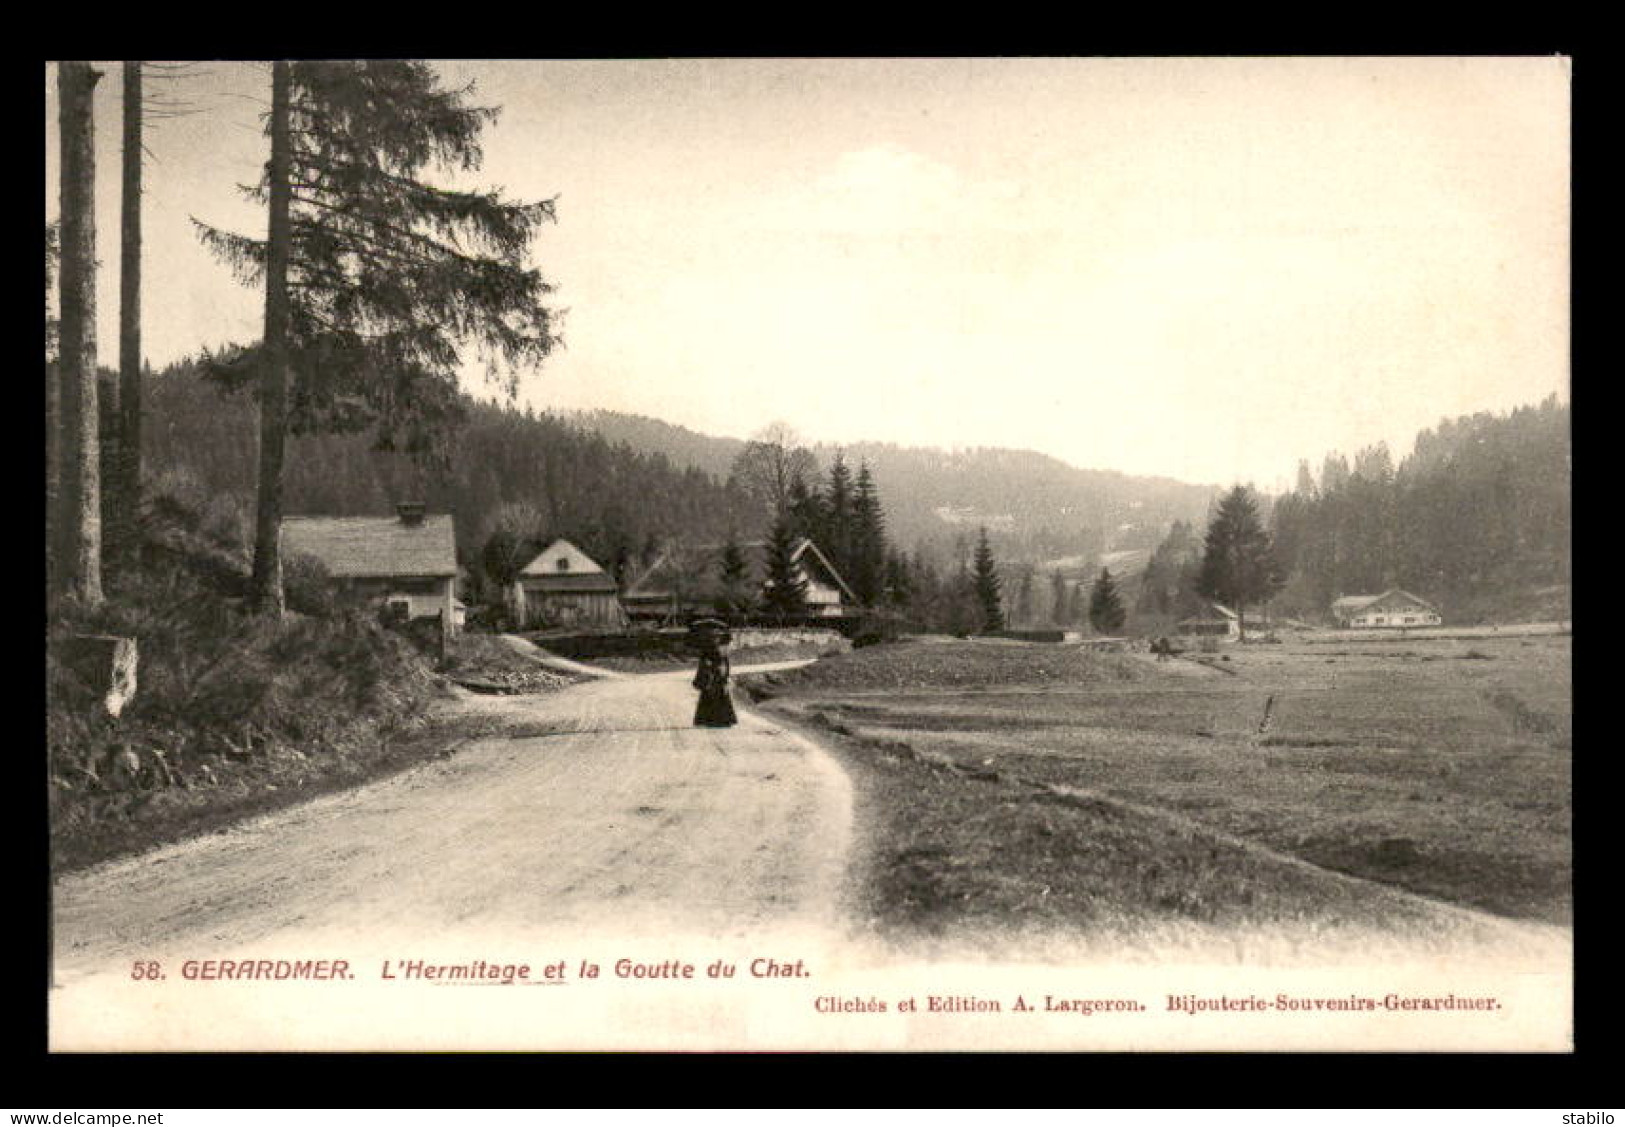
[(564, 563)]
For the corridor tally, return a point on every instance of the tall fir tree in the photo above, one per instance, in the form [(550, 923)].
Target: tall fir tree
[(867, 551), (375, 277), (986, 585), (735, 600), (53, 401), (1106, 612), (838, 519), (1239, 567), (78, 556), (1168, 585), (127, 481), (784, 596), (805, 510)]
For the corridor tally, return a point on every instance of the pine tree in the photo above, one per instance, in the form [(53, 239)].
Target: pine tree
[(735, 600), (867, 553), (126, 490), (1168, 585), (961, 612), (785, 593), (986, 586), (79, 523), (837, 507), (1059, 609), (1106, 612), (375, 278), (52, 407), (805, 510), (1238, 563)]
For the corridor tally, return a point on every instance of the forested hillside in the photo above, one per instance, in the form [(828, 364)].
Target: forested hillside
[(1478, 519), (1035, 507), (616, 502)]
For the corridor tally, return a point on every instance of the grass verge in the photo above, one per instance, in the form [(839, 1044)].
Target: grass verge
[(1114, 797)]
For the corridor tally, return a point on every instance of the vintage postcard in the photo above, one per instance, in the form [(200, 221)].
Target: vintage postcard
[(810, 554)]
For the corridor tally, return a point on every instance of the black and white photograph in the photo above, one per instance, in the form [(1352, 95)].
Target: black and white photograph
[(809, 554)]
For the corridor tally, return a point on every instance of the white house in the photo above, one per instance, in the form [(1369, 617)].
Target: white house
[(1393, 608)]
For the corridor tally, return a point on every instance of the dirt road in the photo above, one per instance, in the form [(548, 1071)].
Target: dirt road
[(607, 813)]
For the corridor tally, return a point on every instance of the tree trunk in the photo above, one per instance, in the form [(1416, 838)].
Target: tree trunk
[(129, 334), (79, 560), (52, 420), (268, 596)]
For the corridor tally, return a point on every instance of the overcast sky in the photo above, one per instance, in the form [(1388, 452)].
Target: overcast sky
[(1205, 269)]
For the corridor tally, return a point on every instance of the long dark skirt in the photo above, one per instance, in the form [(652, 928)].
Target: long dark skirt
[(716, 709)]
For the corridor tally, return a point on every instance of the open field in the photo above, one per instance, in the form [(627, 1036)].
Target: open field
[(1047, 783)]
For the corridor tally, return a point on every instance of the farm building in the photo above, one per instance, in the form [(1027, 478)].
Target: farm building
[(1212, 620), (563, 586), (686, 581), (1392, 608), (407, 562)]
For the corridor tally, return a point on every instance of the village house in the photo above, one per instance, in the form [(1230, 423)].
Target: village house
[(1212, 621), (563, 586), (1393, 608), (407, 563), (685, 582)]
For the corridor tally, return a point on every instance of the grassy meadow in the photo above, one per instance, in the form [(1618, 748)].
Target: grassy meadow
[(1111, 789)]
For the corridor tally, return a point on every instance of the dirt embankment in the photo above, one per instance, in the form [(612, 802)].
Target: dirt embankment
[(967, 665)]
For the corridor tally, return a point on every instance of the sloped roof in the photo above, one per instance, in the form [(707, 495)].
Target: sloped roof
[(1350, 603), (1211, 612), (375, 547), (696, 569), (545, 562)]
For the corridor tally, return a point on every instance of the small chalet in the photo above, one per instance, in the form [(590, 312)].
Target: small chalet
[(407, 562), (1392, 608), (686, 582), (563, 586), (1212, 620)]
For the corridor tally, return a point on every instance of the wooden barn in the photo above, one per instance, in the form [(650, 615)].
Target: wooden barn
[(1391, 609), (563, 586), (407, 562), (685, 582)]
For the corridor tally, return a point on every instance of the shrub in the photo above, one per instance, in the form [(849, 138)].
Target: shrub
[(308, 587), (876, 628)]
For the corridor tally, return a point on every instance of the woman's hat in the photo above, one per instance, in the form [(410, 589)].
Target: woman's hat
[(710, 630)]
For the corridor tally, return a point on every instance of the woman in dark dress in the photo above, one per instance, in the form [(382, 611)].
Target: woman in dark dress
[(716, 707)]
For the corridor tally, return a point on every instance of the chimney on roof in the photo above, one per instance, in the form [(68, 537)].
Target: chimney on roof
[(411, 513)]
